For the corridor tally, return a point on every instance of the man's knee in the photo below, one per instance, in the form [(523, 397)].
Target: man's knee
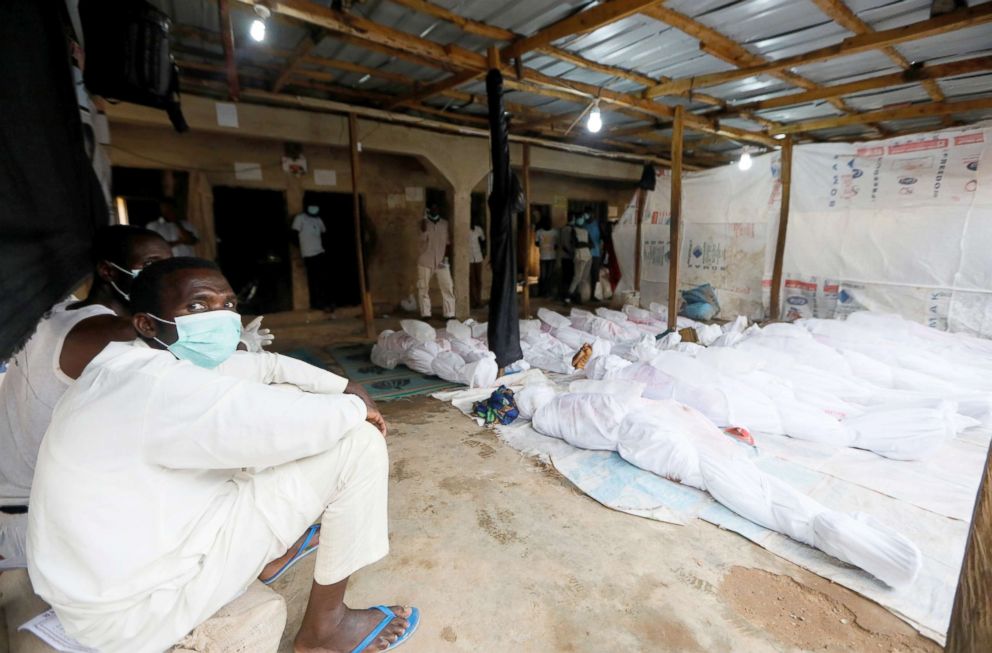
[(369, 447)]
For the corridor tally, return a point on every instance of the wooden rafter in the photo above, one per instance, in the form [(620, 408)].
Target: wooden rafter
[(367, 31), (977, 64), (841, 14), (485, 30), (920, 110), (230, 58), (300, 52), (859, 43)]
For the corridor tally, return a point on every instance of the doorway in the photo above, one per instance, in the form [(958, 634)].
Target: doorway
[(253, 247), (339, 243)]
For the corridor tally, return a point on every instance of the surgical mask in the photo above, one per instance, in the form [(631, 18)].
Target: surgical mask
[(205, 339), (130, 273)]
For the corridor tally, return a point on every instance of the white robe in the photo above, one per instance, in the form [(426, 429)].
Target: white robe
[(139, 483)]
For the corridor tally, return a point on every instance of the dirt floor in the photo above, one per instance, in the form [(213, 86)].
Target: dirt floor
[(501, 553)]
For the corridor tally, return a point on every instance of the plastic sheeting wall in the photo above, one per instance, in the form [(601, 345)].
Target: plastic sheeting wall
[(901, 225), (730, 218)]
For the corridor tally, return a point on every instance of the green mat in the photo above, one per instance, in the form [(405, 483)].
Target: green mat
[(352, 361)]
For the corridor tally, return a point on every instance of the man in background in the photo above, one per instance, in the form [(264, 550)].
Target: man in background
[(594, 229), (310, 227), (566, 244), (180, 234), (547, 243), (434, 261), (477, 249)]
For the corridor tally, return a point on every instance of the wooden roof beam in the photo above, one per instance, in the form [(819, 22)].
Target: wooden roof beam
[(920, 110), (857, 44), (230, 57), (299, 53), (578, 23), (977, 64)]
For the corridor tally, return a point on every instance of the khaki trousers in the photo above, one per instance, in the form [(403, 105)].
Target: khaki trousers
[(444, 282)]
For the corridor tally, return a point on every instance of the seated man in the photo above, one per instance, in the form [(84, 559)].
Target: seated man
[(63, 343), (164, 487)]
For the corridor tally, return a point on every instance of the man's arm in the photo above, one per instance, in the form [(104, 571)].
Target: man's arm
[(88, 338), (201, 420)]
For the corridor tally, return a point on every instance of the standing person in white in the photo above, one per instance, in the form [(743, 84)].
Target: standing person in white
[(547, 243), (477, 245), (173, 475), (311, 228), (63, 343), (583, 260), (434, 261), (180, 234)]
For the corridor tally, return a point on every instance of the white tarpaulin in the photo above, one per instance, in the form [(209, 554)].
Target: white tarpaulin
[(729, 216), (902, 225)]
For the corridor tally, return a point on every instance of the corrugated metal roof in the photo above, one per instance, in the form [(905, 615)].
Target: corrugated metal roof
[(769, 28)]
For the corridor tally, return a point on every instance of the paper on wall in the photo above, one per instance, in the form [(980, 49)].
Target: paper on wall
[(414, 193), (394, 200), (227, 114), (323, 177), (47, 627), (247, 171), (612, 211)]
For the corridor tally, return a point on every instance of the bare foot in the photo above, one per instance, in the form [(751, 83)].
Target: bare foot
[(353, 627), (270, 570)]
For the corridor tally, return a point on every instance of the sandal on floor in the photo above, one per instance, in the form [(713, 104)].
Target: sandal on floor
[(389, 615), (305, 549)]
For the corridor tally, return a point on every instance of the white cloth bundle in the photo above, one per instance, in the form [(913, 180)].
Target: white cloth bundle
[(384, 357), (908, 433), (420, 357), (420, 331), (587, 421), (544, 351), (533, 397)]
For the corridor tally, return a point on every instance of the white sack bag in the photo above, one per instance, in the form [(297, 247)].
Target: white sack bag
[(605, 367), (907, 433), (418, 330), (659, 446), (448, 365), (865, 542), (458, 331), (481, 373), (532, 398), (587, 421), (552, 319), (384, 357), (420, 357), (623, 388)]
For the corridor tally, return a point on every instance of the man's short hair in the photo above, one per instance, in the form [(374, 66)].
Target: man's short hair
[(146, 291), (113, 242)]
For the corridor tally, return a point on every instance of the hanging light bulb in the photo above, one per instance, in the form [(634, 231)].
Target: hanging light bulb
[(595, 122), (257, 28), (745, 161)]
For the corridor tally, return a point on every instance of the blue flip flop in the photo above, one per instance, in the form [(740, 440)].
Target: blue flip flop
[(389, 615), (302, 552)]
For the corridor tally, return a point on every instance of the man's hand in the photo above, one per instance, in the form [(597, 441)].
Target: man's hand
[(375, 418)]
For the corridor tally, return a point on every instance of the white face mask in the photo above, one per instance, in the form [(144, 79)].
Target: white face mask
[(131, 273)]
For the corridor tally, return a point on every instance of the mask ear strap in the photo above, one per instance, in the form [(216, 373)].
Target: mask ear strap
[(152, 315), (127, 272), (126, 296)]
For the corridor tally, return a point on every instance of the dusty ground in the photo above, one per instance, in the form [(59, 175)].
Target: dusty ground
[(501, 553)]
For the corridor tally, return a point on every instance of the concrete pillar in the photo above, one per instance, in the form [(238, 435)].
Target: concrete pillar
[(298, 270), (461, 212)]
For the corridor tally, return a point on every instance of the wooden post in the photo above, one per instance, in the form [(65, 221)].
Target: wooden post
[(678, 131), (641, 197), (971, 617), (357, 214), (785, 165), (528, 233), (230, 58)]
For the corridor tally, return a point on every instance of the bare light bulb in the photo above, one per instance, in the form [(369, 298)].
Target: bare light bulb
[(745, 162), (595, 120), (257, 30)]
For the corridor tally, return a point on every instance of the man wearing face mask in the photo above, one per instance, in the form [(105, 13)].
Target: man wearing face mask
[(64, 342), (173, 475), (434, 260)]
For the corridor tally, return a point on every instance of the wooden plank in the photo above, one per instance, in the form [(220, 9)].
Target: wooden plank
[(356, 212), (452, 81), (678, 134), (584, 21), (970, 629), (299, 53), (856, 44), (230, 57), (775, 306), (638, 216), (528, 230), (920, 110), (977, 64)]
